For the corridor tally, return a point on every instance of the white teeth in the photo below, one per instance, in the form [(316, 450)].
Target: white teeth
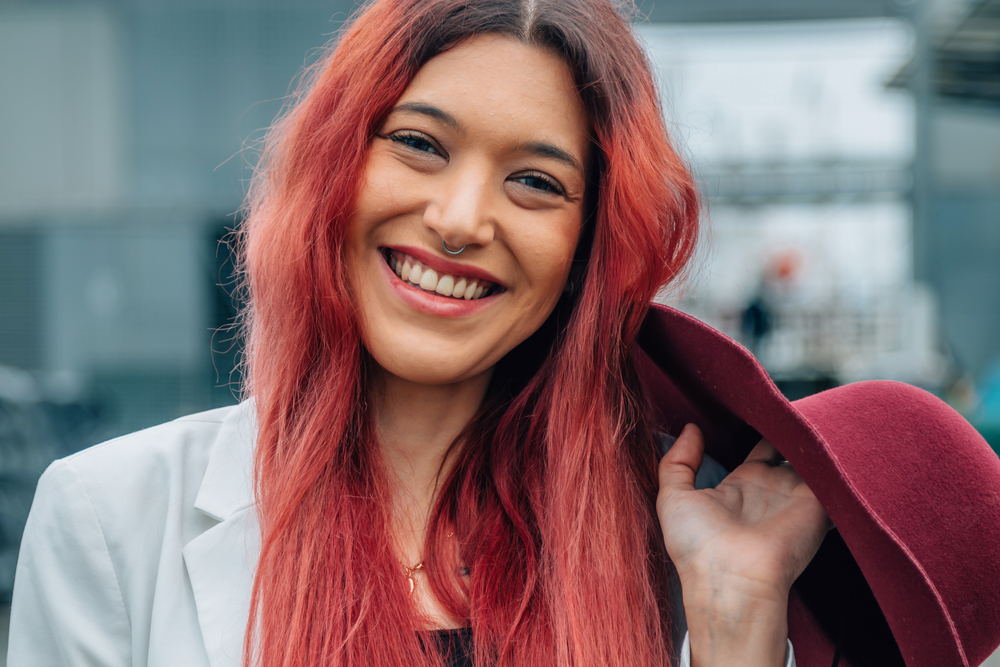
[(445, 286), (429, 280), (412, 271)]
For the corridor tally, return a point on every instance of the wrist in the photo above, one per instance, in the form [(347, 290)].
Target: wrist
[(736, 624)]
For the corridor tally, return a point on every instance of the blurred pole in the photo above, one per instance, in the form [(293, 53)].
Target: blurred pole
[(921, 85)]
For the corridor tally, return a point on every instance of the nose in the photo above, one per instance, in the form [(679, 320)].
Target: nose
[(463, 213)]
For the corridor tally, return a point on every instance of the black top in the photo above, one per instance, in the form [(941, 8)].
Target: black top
[(456, 646)]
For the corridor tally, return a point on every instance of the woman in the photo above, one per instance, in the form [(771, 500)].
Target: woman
[(452, 241)]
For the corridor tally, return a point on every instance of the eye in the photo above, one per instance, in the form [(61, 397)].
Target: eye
[(415, 141), (538, 181)]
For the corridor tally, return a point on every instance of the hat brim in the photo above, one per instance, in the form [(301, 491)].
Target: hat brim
[(912, 488)]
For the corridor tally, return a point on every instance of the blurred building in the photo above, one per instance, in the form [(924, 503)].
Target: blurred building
[(865, 144), (804, 157), (127, 131)]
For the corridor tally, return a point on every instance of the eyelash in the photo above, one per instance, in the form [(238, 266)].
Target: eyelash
[(550, 185), (412, 140)]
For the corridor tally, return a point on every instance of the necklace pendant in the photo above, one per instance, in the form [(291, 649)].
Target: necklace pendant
[(410, 571)]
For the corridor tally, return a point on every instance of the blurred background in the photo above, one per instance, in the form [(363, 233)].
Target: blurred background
[(848, 151)]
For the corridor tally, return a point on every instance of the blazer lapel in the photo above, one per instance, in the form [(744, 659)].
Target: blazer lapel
[(222, 560)]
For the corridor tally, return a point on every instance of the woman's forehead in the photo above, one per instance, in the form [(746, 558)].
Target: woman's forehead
[(497, 85)]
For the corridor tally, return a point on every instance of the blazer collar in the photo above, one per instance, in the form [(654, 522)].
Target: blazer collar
[(228, 483), (221, 561)]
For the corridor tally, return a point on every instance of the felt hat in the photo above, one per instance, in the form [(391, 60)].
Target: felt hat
[(911, 575)]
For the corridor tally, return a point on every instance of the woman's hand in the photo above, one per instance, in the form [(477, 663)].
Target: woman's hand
[(737, 549)]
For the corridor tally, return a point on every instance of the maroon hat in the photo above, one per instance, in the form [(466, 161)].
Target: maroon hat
[(912, 572)]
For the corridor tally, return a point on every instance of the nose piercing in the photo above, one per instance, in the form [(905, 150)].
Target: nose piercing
[(449, 250)]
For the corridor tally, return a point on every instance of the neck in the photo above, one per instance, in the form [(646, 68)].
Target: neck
[(417, 425)]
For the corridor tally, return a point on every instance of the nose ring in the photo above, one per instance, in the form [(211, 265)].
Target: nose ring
[(449, 250)]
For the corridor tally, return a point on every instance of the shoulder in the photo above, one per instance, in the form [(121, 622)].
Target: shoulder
[(144, 484), (152, 452), (102, 555)]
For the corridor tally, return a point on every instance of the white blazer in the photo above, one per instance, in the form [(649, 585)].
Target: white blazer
[(141, 551)]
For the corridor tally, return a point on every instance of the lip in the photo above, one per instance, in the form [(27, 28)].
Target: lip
[(435, 304), (442, 265)]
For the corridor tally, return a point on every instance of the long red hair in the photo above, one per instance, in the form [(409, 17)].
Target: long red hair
[(552, 494)]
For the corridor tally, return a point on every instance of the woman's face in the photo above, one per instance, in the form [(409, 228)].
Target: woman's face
[(485, 149)]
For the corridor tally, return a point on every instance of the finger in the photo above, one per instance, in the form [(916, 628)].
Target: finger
[(682, 461), (765, 452)]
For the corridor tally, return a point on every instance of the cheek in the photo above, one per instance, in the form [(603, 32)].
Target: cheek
[(547, 251), (381, 205), (372, 206), (382, 193)]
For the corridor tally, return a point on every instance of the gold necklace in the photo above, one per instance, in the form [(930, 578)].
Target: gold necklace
[(410, 571)]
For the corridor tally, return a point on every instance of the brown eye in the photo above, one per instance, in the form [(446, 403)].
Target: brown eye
[(417, 142), (539, 182)]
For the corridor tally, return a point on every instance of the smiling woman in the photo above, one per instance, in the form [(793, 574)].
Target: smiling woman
[(453, 449), (444, 286)]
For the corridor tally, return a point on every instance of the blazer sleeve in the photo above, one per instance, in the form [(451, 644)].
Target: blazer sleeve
[(686, 653), (67, 606)]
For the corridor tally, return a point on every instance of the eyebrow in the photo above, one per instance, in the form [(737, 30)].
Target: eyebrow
[(537, 148), (542, 149), (430, 111)]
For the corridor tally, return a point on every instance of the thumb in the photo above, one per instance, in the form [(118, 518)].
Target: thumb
[(682, 461)]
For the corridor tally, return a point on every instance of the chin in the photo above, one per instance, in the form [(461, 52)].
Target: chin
[(431, 370)]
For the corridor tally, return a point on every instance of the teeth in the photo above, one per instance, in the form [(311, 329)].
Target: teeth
[(427, 279), (445, 286)]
